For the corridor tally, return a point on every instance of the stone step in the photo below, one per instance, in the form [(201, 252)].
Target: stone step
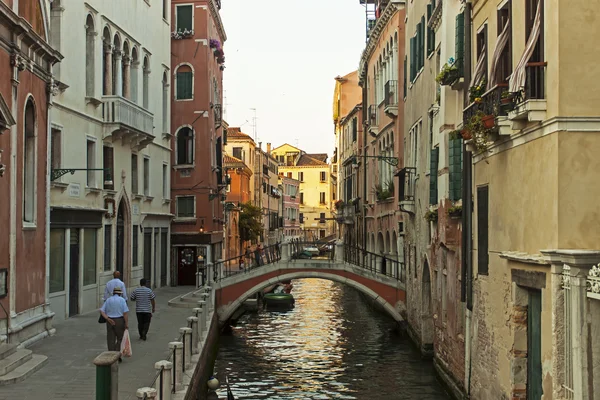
[(6, 350), (19, 374), (14, 361)]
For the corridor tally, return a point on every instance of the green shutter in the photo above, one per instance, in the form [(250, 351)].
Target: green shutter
[(422, 46), (405, 75), (459, 48), (184, 17), (534, 345), (433, 176), (455, 164), (184, 85), (412, 58), (429, 30), (482, 230)]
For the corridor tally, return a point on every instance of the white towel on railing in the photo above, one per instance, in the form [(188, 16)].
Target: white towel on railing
[(500, 45), (518, 77)]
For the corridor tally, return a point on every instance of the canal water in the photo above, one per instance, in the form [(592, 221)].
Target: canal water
[(332, 345)]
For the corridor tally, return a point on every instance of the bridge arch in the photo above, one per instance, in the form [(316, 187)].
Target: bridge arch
[(226, 311)]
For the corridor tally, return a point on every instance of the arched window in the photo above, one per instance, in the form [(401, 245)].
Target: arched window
[(125, 71), (165, 103), (185, 83), (146, 78), (29, 163), (185, 146), (116, 66), (135, 68), (90, 55), (107, 75)]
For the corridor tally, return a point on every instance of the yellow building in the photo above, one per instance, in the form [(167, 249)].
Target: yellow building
[(314, 174), (535, 186)]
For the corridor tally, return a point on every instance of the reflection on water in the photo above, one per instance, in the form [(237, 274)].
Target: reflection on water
[(330, 346)]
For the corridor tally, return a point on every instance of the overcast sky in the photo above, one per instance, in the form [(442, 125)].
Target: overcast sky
[(281, 59)]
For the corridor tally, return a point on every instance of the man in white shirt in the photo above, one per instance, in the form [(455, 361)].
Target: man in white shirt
[(116, 313), (116, 282)]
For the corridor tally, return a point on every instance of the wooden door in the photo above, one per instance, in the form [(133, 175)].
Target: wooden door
[(534, 346), (74, 273)]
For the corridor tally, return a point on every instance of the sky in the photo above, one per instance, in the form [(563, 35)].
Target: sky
[(281, 59)]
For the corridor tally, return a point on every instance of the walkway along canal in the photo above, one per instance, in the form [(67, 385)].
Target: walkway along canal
[(332, 345)]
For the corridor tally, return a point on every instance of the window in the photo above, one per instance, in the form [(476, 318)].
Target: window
[(90, 56), (107, 247), (482, 230), (146, 176), (430, 31), (165, 4), (91, 163), (323, 176), (237, 153), (29, 164), (322, 197), (322, 217), (455, 164), (301, 217), (301, 198), (433, 176), (134, 174), (405, 77), (145, 83), (301, 176), (165, 103), (107, 158), (89, 256), (459, 44), (184, 17), (57, 260), (165, 181), (421, 34), (504, 68), (185, 83), (135, 245), (55, 146), (185, 146), (354, 129), (482, 50), (289, 174), (185, 207)]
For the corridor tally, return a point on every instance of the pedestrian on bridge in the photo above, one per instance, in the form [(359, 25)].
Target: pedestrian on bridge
[(144, 306), (258, 255)]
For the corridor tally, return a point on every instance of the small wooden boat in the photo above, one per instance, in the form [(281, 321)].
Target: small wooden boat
[(279, 300)]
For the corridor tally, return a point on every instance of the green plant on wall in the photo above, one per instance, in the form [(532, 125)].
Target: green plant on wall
[(250, 223), (455, 211), (431, 216), (478, 131), (384, 191), (476, 91), (448, 75)]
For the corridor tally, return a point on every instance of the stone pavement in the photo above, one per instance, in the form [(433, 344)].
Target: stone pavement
[(70, 373)]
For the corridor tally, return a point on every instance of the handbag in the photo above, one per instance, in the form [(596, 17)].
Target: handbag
[(101, 320)]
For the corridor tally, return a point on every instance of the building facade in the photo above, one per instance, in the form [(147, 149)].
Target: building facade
[(238, 192), (290, 188), (198, 186), (26, 87), (266, 173), (313, 173), (110, 130)]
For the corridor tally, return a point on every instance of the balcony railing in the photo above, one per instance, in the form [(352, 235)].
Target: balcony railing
[(218, 109), (373, 115), (119, 110), (535, 84), (490, 104), (407, 177), (391, 93)]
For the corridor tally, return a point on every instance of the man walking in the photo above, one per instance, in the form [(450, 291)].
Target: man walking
[(116, 313), (112, 284), (144, 306)]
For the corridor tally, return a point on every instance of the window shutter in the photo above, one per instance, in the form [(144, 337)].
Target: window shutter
[(219, 161), (459, 48), (422, 46), (433, 176), (412, 58), (184, 17), (108, 161), (405, 76), (429, 30), (482, 230), (184, 85), (455, 163)]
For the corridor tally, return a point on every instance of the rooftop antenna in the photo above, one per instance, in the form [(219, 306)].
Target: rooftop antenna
[(225, 104), (254, 125)]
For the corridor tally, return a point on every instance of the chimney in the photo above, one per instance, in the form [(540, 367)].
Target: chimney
[(268, 148)]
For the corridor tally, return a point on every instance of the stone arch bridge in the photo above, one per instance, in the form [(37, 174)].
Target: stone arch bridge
[(379, 278)]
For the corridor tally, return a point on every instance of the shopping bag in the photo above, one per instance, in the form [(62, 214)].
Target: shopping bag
[(126, 344), (101, 319)]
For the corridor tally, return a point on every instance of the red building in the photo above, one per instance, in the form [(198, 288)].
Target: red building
[(26, 61), (238, 192), (197, 181)]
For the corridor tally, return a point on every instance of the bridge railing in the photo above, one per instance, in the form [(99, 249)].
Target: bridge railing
[(248, 261), (373, 262), (313, 250)]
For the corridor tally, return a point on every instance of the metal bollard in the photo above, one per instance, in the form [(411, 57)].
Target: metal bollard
[(146, 393), (193, 323), (177, 349), (187, 346), (107, 375), (164, 383)]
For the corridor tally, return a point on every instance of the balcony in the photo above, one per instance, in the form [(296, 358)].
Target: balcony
[(391, 98), (125, 120), (407, 187), (218, 110), (532, 108), (373, 118), (346, 214)]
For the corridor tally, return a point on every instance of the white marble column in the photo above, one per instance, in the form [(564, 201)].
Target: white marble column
[(108, 78), (127, 77), (118, 54)]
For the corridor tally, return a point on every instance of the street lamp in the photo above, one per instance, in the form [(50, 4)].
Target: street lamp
[(393, 161)]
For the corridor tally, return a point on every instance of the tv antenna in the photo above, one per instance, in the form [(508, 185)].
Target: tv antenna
[(254, 125)]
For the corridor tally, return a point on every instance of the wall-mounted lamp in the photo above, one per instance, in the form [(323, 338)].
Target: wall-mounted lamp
[(201, 226)]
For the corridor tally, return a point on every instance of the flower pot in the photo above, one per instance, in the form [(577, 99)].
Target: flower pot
[(466, 134), (488, 121)]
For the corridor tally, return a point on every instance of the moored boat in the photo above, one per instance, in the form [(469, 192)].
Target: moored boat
[(278, 299)]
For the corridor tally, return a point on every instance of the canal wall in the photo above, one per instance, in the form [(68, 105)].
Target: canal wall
[(209, 346)]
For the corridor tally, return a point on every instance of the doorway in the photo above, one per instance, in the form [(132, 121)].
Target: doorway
[(163, 257), (186, 266), (148, 256), (74, 273), (534, 345), (156, 260), (121, 240)]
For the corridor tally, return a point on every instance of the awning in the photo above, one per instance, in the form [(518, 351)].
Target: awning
[(479, 69), (500, 45), (518, 77)]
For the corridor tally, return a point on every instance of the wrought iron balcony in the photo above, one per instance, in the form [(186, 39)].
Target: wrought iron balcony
[(123, 119), (373, 118), (489, 104), (407, 188), (391, 98), (218, 110)]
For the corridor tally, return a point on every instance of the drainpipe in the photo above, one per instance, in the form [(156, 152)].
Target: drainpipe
[(467, 217)]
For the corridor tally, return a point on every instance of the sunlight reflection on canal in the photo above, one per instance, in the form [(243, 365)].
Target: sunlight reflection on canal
[(332, 345)]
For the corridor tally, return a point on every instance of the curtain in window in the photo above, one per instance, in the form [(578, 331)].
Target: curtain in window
[(479, 69), (517, 79), (500, 45)]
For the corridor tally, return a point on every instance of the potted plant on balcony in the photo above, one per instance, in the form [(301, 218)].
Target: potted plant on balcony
[(339, 204), (218, 52), (476, 92), (448, 75), (182, 34), (508, 101), (480, 133), (455, 212), (455, 134), (214, 44), (489, 120), (431, 216)]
